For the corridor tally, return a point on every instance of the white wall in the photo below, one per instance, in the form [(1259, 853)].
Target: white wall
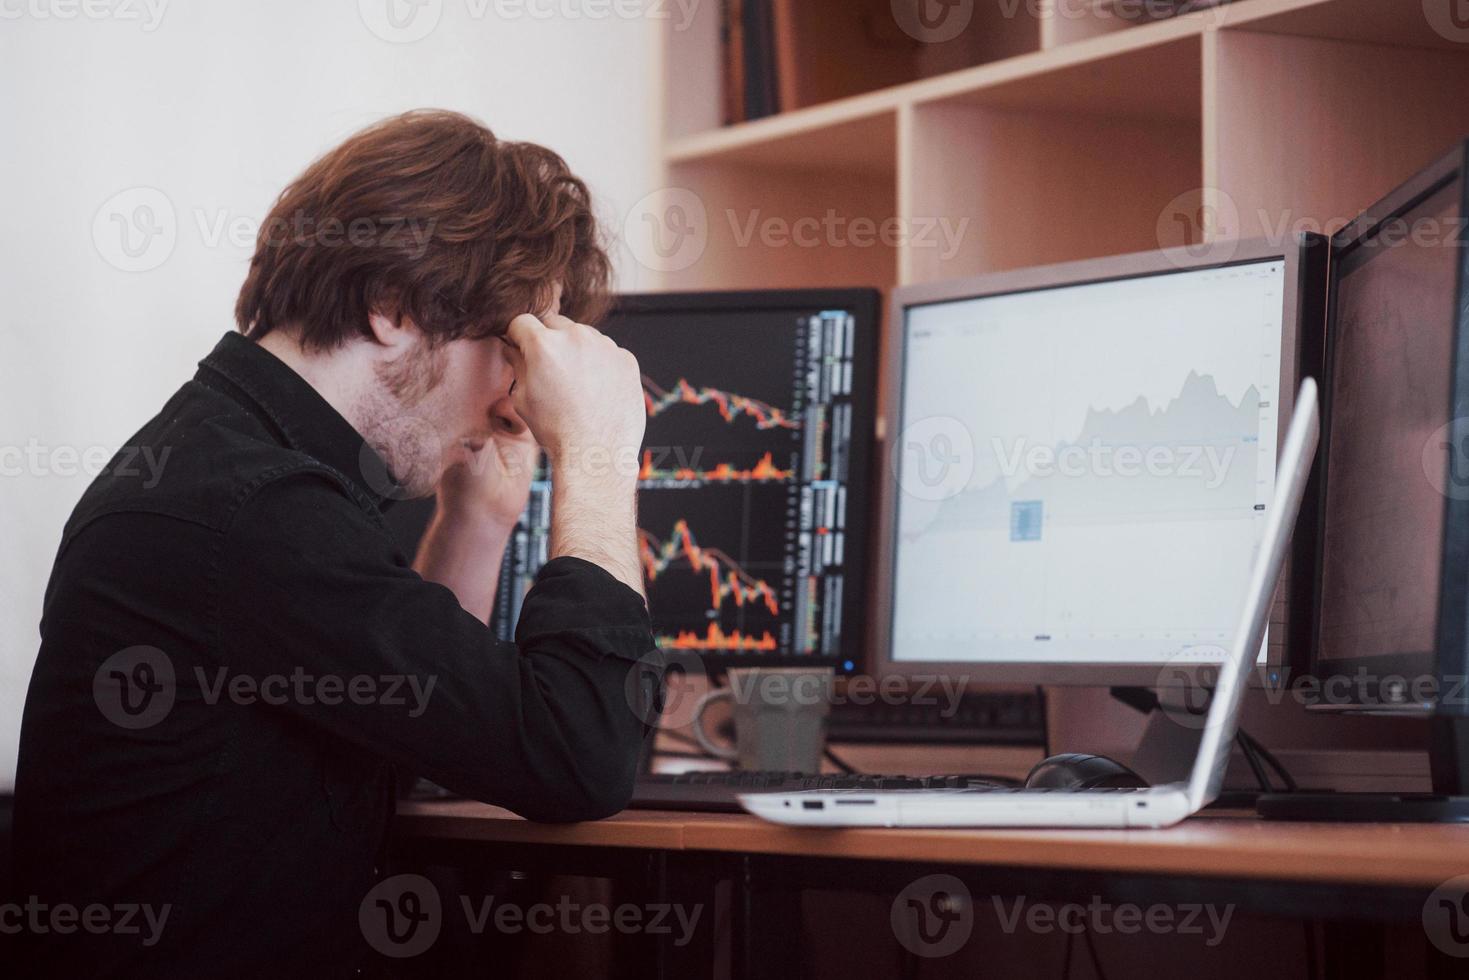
[(217, 104)]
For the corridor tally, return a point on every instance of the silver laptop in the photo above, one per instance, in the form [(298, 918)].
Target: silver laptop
[(1158, 806)]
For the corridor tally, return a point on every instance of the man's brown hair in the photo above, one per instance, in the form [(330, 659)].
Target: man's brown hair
[(428, 216)]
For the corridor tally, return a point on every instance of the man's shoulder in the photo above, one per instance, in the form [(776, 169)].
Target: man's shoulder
[(197, 460)]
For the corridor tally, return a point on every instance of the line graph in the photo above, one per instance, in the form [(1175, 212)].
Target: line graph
[(727, 580), (731, 406), (763, 471), (715, 639)]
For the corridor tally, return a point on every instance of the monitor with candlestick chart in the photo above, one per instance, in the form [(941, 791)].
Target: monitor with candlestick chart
[(753, 474)]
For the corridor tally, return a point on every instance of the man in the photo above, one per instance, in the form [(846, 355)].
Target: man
[(235, 658)]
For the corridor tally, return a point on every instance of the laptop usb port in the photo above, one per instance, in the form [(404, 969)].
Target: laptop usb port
[(811, 804)]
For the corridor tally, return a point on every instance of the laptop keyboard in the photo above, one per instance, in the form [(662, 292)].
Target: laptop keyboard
[(719, 791)]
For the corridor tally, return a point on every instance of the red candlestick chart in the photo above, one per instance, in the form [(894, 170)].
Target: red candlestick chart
[(731, 406)]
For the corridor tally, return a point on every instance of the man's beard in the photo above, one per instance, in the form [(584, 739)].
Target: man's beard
[(397, 420)]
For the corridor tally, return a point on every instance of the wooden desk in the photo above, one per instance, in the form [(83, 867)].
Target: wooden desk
[(1339, 875), (1232, 846)]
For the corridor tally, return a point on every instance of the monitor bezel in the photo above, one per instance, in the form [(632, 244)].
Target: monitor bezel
[(1303, 315), (1450, 657), (865, 304)]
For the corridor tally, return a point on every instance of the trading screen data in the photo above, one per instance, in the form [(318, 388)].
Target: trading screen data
[(1389, 461), (1086, 468), (743, 480)]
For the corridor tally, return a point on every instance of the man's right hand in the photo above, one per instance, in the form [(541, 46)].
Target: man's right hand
[(578, 392), (581, 397)]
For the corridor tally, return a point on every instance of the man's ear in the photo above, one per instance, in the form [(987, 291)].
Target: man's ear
[(395, 336)]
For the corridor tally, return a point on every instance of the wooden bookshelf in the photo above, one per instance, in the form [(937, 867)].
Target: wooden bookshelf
[(1056, 130), (1057, 137)]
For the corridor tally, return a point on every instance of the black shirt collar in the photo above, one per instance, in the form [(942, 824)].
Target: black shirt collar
[(301, 418)]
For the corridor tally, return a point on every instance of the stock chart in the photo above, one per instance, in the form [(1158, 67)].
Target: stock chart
[(742, 480), (1087, 467)]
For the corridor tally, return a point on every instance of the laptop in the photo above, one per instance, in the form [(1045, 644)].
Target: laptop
[(1157, 806)]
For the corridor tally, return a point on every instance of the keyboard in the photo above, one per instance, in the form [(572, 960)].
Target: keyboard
[(717, 792), (976, 718)]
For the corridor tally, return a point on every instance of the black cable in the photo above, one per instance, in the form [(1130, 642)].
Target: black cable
[(1247, 746), (1243, 741), (1272, 762), (1066, 957), (1096, 960), (839, 762)]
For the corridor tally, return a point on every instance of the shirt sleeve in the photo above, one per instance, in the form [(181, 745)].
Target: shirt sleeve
[(550, 726)]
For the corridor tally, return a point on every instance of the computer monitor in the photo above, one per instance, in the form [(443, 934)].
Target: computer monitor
[(754, 475), (753, 495), (1392, 599), (1391, 603), (1078, 462)]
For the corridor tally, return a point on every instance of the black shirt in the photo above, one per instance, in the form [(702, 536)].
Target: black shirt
[(234, 658)]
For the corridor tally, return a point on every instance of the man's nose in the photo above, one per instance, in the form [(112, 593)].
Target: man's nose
[(505, 418)]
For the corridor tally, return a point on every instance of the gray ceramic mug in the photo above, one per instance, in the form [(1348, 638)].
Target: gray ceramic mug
[(779, 717)]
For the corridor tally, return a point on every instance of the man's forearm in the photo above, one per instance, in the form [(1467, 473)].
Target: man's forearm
[(594, 517), (464, 556)]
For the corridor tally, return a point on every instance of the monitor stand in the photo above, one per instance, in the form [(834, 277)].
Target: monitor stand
[(1364, 807), (1448, 752), (1170, 742)]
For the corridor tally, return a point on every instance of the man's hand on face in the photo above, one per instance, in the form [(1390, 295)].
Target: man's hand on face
[(581, 396), (579, 393), (490, 483)]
